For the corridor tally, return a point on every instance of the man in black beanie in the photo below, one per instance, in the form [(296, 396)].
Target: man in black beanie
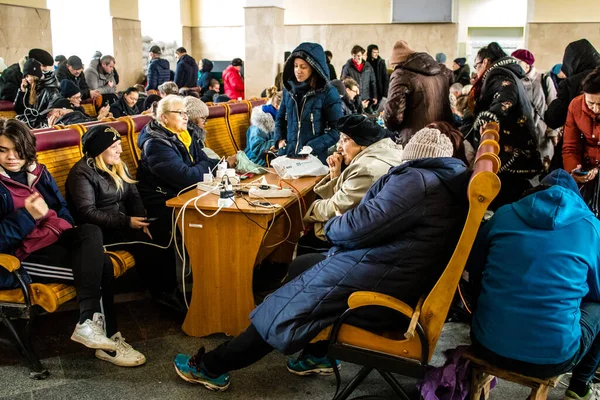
[(364, 153), (461, 71)]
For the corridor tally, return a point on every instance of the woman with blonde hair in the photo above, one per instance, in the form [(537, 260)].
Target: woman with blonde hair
[(101, 192)]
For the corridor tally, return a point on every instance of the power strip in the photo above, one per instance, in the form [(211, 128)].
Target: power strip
[(213, 187), (270, 193), (224, 203)]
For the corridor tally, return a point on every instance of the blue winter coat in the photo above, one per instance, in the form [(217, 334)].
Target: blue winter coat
[(15, 225), (204, 76), (540, 257), (312, 119), (260, 136), (397, 242), (158, 73), (166, 166), (186, 72)]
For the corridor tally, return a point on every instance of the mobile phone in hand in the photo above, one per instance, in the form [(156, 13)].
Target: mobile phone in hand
[(581, 172), (151, 219)]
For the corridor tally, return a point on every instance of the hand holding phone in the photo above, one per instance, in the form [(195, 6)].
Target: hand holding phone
[(580, 172), (152, 219)]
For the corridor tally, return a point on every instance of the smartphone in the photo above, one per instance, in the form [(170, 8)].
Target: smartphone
[(151, 219), (581, 172)]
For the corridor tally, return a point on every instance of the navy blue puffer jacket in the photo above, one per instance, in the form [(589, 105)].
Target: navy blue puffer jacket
[(397, 242), (186, 72), (309, 119), (158, 73)]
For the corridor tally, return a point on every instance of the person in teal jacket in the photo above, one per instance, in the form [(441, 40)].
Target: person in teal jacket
[(260, 136), (537, 264)]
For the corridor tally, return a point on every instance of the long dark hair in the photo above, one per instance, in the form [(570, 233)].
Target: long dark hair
[(21, 136)]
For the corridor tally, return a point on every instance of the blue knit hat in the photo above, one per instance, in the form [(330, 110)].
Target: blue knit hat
[(440, 57)]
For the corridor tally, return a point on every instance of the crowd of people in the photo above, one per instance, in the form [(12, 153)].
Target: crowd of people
[(399, 147)]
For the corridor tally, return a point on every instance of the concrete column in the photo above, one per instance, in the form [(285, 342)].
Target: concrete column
[(127, 41), (264, 48)]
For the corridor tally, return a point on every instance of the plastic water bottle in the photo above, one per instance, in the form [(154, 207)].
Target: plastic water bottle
[(380, 120)]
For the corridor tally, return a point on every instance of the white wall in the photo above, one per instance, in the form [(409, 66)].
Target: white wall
[(73, 36), (161, 20)]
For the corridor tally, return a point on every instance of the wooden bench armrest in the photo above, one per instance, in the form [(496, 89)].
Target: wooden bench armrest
[(9, 263), (410, 332), (364, 299)]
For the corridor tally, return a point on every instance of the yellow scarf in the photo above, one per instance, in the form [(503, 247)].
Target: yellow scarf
[(185, 138)]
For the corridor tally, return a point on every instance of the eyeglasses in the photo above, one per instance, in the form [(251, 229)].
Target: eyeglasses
[(355, 91), (180, 112), (476, 66)]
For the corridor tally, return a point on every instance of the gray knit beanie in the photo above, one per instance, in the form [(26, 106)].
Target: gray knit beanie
[(195, 108), (427, 143)]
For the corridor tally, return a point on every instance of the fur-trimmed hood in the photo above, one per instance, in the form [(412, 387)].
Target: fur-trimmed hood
[(262, 120)]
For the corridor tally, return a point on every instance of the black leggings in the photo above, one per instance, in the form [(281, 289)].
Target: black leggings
[(78, 258), (249, 347), (155, 266)]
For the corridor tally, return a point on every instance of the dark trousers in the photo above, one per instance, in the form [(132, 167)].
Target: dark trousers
[(310, 243), (155, 266), (78, 258), (249, 347), (583, 364)]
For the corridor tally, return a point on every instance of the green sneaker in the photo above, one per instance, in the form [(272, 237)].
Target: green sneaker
[(593, 393), (306, 364), (189, 369)]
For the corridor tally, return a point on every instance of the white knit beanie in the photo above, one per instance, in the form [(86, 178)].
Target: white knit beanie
[(428, 143)]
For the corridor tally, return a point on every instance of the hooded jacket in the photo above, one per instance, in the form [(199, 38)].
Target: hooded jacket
[(10, 81), (503, 99), (16, 224), (166, 166), (397, 241), (310, 118), (186, 71), (93, 197), (204, 75), (418, 96), (260, 136), (233, 83), (366, 79), (62, 72), (158, 73), (579, 60), (97, 79), (347, 190), (120, 108), (540, 260)]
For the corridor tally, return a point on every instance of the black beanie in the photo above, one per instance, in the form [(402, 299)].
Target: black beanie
[(363, 130), (99, 138), (68, 88), (461, 61), (32, 67), (42, 56), (339, 86)]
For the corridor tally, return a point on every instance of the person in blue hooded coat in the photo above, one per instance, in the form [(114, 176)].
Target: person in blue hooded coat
[(536, 264), (204, 75), (310, 107), (386, 244)]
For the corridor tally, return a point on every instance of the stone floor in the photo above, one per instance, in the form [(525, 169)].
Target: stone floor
[(77, 374)]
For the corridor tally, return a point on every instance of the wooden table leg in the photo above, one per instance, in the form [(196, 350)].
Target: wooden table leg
[(222, 252)]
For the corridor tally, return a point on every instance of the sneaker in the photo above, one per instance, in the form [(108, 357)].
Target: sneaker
[(125, 355), (91, 334), (310, 365), (190, 370), (593, 393)]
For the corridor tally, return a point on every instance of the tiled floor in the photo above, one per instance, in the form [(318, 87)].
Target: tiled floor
[(77, 374)]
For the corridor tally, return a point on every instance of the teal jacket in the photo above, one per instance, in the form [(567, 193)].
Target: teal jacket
[(540, 259)]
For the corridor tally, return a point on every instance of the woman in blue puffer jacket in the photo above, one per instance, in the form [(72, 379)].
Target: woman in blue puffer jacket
[(397, 241), (310, 107)]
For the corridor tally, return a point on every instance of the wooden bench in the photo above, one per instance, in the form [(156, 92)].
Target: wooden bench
[(7, 109), (409, 353), (238, 121), (483, 373), (59, 150), (218, 135)]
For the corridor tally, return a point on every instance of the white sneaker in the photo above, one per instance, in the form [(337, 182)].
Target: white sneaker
[(91, 334), (126, 356)]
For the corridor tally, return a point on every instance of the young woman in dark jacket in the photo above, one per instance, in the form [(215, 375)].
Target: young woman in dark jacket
[(499, 96), (126, 104), (35, 95), (310, 107), (36, 227), (101, 192)]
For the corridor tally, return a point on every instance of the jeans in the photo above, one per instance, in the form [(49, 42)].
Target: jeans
[(583, 364)]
